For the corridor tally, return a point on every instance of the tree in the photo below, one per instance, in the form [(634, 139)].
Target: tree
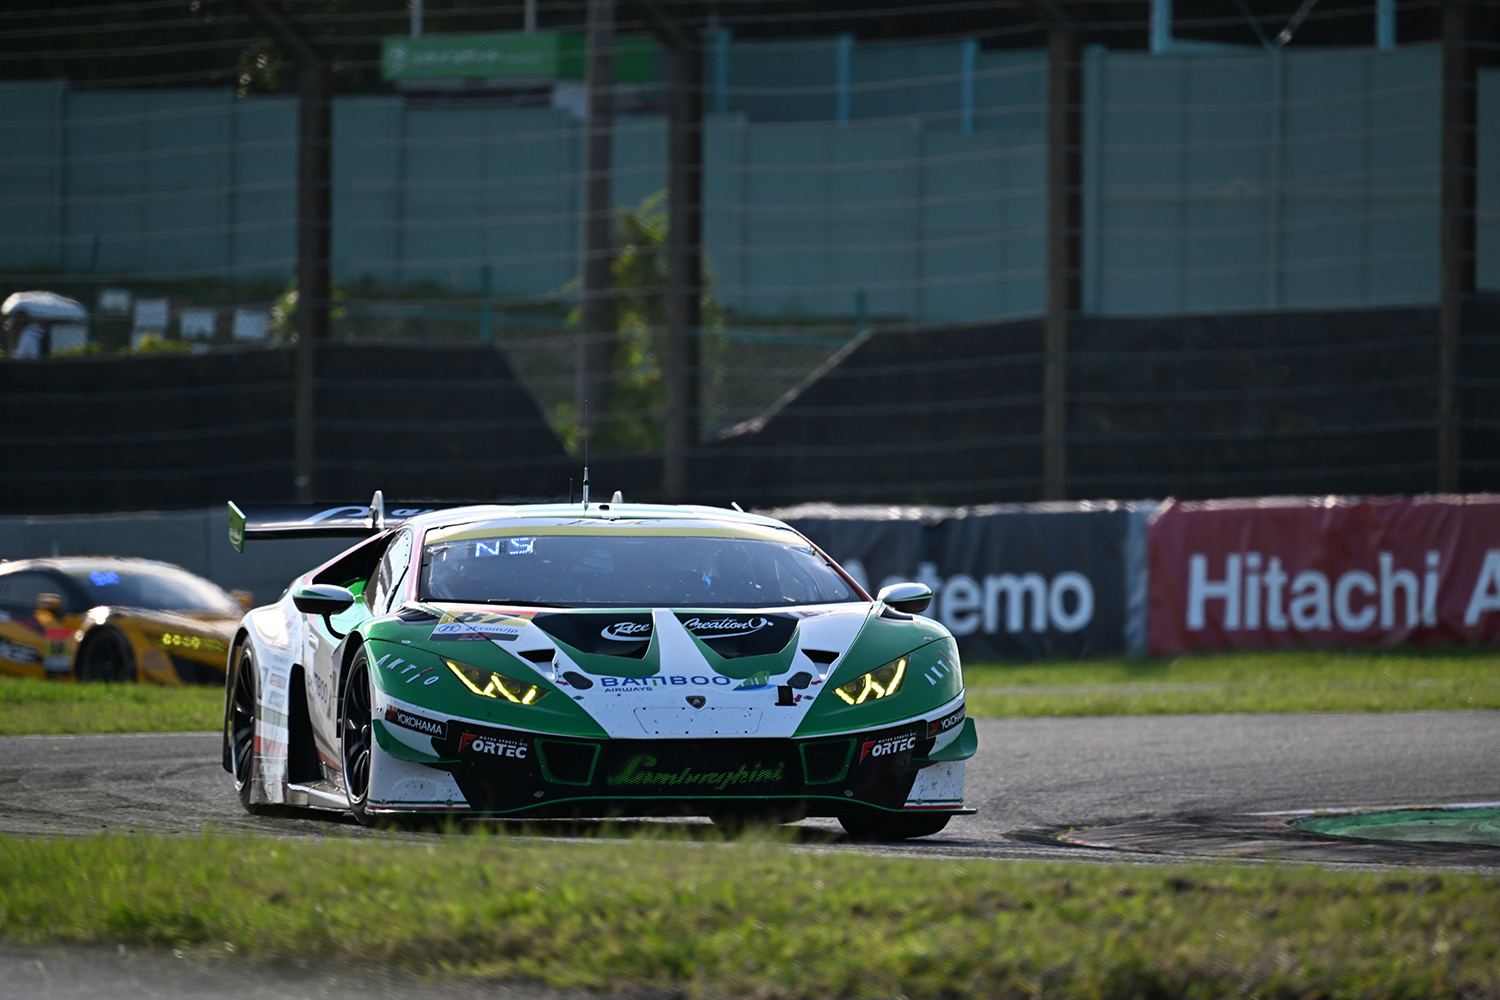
[(635, 417)]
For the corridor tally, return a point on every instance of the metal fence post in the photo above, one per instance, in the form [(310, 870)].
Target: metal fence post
[(1064, 257), (684, 259), (1459, 161), (596, 321)]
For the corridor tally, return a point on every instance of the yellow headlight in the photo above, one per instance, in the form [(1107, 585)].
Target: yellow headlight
[(878, 683), (178, 640), (493, 685)]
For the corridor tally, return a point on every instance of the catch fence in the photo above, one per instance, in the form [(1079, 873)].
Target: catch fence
[(1306, 403), (1249, 283)]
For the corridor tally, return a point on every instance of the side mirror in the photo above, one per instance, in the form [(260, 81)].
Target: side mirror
[(48, 603), (322, 599), (912, 598)]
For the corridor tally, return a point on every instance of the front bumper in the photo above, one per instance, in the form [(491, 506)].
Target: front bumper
[(515, 773)]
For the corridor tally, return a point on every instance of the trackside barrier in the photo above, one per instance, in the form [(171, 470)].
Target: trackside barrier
[(1009, 580), (1044, 580), (1100, 578), (1324, 571)]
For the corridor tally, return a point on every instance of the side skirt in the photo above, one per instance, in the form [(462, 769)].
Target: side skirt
[(317, 795)]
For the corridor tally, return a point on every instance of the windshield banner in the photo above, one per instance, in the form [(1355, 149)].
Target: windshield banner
[(1324, 571)]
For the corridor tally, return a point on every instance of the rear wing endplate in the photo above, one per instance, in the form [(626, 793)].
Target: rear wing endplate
[(315, 520)]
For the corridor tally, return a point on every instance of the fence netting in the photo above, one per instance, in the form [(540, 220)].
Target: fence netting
[(1257, 247)]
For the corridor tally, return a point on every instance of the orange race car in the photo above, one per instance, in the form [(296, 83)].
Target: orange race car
[(104, 618)]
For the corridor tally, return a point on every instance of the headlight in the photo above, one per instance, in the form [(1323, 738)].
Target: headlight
[(878, 683), (493, 685), (177, 640)]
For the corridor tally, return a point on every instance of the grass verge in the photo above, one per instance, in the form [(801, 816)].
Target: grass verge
[(753, 919), (1280, 681), (30, 707)]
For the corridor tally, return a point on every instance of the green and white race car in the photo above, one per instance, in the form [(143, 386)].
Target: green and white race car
[(603, 659)]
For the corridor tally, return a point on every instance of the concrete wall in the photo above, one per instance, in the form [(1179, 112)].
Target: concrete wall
[(799, 81), (1215, 181), (797, 220), (1222, 182), (172, 183)]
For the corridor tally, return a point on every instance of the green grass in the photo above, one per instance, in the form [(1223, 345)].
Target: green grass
[(1282, 681), (753, 919), (47, 707)]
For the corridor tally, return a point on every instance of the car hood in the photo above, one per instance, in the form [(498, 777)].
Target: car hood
[(668, 672)]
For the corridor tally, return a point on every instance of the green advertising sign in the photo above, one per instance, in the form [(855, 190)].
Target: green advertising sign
[(555, 55)]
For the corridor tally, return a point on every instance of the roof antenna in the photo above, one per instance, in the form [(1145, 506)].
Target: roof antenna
[(585, 454)]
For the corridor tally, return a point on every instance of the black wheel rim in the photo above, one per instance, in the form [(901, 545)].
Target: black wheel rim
[(357, 732), (106, 659), (115, 665), (242, 718)]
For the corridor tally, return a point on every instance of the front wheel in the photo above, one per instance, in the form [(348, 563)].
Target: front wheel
[(242, 705), (106, 656), (894, 827), (357, 736)]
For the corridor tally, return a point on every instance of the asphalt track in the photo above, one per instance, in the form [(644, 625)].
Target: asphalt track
[(1033, 777)]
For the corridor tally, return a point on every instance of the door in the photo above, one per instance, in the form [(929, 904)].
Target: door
[(30, 647)]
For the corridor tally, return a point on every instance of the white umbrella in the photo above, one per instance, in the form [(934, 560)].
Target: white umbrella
[(46, 306)]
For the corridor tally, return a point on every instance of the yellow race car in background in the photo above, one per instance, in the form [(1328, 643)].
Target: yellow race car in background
[(108, 618)]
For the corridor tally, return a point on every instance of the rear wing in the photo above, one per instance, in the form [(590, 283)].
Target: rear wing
[(317, 521)]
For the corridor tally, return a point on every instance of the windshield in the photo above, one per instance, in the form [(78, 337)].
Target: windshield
[(578, 570), (156, 588)]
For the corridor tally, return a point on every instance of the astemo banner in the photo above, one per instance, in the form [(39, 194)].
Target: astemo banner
[(1009, 581), (1324, 571)]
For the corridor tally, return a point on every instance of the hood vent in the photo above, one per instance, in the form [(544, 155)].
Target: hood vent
[(606, 634), (735, 635)]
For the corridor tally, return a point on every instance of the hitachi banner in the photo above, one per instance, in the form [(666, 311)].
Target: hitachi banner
[(1324, 571)]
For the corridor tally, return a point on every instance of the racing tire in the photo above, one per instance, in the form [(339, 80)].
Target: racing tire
[(105, 656), (241, 724), (357, 737), (870, 828)]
